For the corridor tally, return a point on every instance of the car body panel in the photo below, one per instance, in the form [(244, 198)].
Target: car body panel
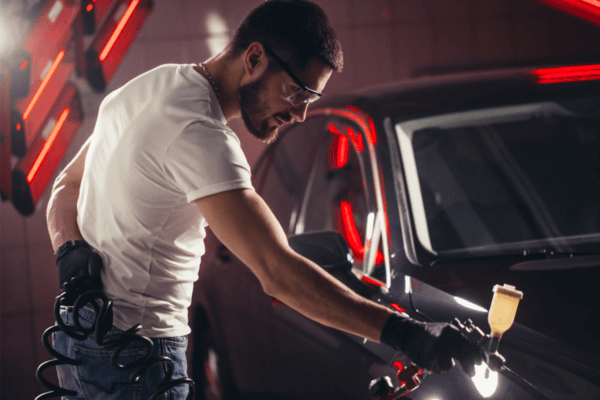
[(272, 348)]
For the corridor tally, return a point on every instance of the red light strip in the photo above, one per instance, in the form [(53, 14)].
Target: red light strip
[(372, 281), (119, 29), (352, 235), (44, 83), (397, 307), (398, 365), (346, 114), (567, 74), (49, 142), (334, 130), (351, 231), (342, 151)]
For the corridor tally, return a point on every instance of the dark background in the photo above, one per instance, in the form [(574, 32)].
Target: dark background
[(383, 40)]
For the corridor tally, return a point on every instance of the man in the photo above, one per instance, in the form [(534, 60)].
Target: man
[(161, 165)]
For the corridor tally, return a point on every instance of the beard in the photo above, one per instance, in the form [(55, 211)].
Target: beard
[(253, 111)]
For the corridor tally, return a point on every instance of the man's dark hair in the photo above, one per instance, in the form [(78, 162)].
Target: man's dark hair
[(296, 30)]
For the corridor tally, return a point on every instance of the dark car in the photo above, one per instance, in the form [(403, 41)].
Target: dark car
[(441, 188)]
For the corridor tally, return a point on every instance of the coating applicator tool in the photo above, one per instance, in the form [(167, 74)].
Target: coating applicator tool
[(501, 317)]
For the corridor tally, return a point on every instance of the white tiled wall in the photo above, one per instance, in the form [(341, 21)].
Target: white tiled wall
[(383, 40)]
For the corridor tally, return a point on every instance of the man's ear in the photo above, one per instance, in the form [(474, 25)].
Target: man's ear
[(255, 59)]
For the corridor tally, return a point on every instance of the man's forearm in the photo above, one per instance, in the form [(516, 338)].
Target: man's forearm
[(61, 214), (314, 293)]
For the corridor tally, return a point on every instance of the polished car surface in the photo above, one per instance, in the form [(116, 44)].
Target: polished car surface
[(442, 188)]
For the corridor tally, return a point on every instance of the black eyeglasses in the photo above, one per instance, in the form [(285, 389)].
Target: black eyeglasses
[(294, 94)]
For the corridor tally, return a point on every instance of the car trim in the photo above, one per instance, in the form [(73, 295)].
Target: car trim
[(407, 234)]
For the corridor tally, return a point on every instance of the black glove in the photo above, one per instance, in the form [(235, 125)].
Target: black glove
[(78, 270), (431, 346)]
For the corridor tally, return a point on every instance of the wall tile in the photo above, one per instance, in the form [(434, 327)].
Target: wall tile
[(370, 59), (339, 12), (14, 281), (412, 48), (11, 225), (492, 40), (410, 10), (368, 13), (36, 227), (454, 42), (44, 276), (24, 388), (165, 19), (195, 15), (486, 8), (236, 10), (444, 10), (529, 7), (17, 350)]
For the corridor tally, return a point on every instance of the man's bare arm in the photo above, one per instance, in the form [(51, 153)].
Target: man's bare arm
[(245, 224), (61, 214)]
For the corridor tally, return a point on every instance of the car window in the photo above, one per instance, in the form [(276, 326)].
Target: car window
[(282, 172), (339, 197), (507, 179)]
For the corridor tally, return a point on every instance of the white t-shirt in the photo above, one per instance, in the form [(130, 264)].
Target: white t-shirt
[(160, 142)]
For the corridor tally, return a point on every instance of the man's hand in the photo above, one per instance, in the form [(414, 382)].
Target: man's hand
[(432, 346), (78, 271)]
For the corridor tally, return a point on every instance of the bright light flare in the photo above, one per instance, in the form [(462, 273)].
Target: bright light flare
[(49, 142), (468, 304), (485, 380), (118, 30), (218, 31)]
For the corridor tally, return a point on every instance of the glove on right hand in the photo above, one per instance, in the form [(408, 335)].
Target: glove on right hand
[(78, 271), (431, 346)]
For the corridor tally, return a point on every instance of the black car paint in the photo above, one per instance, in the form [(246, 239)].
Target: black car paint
[(271, 348)]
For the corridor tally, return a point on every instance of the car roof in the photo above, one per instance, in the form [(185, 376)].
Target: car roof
[(469, 90)]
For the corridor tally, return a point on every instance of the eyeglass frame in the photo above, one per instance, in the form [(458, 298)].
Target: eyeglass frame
[(287, 69)]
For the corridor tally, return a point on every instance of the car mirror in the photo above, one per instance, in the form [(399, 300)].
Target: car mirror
[(326, 248)]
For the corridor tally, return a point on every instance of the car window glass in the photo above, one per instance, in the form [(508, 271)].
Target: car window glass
[(508, 179), (283, 172)]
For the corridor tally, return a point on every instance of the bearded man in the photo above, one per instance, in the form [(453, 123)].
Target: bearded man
[(129, 212)]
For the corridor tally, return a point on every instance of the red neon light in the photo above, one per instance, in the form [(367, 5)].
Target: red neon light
[(89, 7), (351, 231), (372, 281), (372, 126), (118, 30), (18, 127), (342, 151), (346, 114), (49, 142), (352, 235), (24, 65), (567, 74), (398, 365), (44, 83), (397, 307), (334, 130)]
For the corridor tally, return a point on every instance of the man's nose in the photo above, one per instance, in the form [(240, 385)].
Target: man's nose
[(299, 112)]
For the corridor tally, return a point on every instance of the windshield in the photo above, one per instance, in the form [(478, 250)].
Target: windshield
[(505, 180)]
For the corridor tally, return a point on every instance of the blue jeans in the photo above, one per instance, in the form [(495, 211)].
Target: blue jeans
[(97, 379)]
